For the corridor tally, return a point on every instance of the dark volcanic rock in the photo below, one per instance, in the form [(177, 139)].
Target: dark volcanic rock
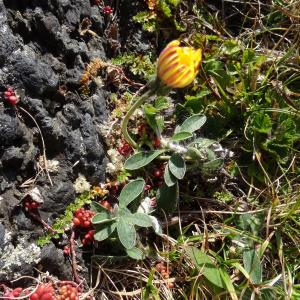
[(53, 261), (41, 54), (37, 76), (11, 131)]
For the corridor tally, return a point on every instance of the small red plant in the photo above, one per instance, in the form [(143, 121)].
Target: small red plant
[(10, 96), (43, 292), (125, 149), (156, 143), (13, 294), (88, 238), (107, 10), (67, 292), (82, 217), (165, 271), (30, 204)]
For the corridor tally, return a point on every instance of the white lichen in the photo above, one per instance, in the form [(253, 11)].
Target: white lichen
[(81, 185), (116, 162), (13, 257)]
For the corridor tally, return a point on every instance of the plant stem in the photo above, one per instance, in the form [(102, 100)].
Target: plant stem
[(130, 112)]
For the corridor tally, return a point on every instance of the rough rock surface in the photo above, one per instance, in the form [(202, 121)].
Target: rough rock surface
[(42, 57), (42, 52)]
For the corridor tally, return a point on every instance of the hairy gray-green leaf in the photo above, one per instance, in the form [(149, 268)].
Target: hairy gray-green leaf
[(97, 207), (167, 197), (202, 142), (135, 253), (182, 135), (169, 178), (141, 159), (102, 217), (142, 220), (131, 191), (193, 123), (139, 219), (177, 166), (126, 233), (102, 232)]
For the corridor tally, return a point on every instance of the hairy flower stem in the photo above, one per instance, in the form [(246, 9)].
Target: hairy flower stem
[(153, 87)]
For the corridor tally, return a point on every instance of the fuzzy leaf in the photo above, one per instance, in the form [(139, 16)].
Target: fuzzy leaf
[(101, 218), (182, 135), (202, 142), (193, 123), (131, 191), (135, 253), (126, 233), (142, 220), (97, 207), (177, 166), (139, 219), (102, 232), (141, 159), (169, 178)]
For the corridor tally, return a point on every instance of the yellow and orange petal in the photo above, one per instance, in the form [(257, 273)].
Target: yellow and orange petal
[(178, 66)]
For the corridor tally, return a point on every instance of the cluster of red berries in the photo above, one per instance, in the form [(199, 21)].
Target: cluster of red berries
[(125, 149), (30, 204), (82, 217), (67, 292), (88, 237), (107, 10), (10, 96), (164, 271), (43, 292), (13, 294)]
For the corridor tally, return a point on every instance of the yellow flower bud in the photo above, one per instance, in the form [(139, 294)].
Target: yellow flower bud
[(178, 66)]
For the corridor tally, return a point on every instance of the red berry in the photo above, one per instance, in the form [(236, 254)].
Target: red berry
[(16, 292), (86, 224), (47, 296), (107, 10), (34, 296), (12, 100), (76, 221), (156, 143), (157, 173)]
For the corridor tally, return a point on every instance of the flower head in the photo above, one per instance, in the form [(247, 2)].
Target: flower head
[(178, 66)]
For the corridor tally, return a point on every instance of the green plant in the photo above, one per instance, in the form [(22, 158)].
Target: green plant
[(197, 155), (139, 65), (123, 220), (64, 221)]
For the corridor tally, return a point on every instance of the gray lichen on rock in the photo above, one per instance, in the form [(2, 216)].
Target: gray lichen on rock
[(14, 259)]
